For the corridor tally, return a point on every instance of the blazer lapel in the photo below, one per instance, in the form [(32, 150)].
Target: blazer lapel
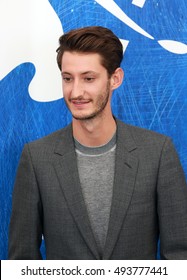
[(67, 173), (124, 181)]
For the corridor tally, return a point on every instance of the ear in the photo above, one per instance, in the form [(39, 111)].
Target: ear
[(116, 78)]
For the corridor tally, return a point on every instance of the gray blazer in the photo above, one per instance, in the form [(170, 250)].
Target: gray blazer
[(149, 200)]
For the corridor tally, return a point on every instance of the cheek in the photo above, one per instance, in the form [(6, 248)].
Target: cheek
[(66, 90), (96, 88)]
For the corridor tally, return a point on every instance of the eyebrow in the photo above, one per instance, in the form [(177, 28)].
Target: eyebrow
[(84, 73)]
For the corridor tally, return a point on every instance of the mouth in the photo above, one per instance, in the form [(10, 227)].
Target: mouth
[(80, 103)]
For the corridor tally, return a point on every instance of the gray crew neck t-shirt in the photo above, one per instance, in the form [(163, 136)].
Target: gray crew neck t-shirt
[(96, 172)]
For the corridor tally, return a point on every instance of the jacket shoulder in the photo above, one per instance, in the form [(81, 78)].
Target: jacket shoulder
[(142, 136), (48, 143)]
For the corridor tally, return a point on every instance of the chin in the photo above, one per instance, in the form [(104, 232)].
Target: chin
[(85, 117)]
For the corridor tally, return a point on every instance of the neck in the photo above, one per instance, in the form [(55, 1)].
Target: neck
[(94, 132)]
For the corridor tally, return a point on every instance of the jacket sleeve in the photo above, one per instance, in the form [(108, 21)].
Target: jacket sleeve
[(172, 205), (25, 232)]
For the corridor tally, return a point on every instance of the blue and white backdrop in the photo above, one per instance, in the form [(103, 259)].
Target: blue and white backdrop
[(153, 95)]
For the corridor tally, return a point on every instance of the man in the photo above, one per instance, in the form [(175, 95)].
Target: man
[(98, 189)]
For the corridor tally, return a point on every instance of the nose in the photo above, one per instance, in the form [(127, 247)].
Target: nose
[(77, 89)]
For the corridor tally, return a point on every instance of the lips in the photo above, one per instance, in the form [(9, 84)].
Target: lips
[(81, 104)]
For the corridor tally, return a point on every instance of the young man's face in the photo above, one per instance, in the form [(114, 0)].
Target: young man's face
[(86, 85)]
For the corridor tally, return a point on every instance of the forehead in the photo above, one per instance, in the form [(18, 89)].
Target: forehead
[(82, 62)]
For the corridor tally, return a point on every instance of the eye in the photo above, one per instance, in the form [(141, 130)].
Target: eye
[(67, 79), (89, 79)]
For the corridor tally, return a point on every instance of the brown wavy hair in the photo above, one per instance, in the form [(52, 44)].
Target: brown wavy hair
[(93, 39)]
